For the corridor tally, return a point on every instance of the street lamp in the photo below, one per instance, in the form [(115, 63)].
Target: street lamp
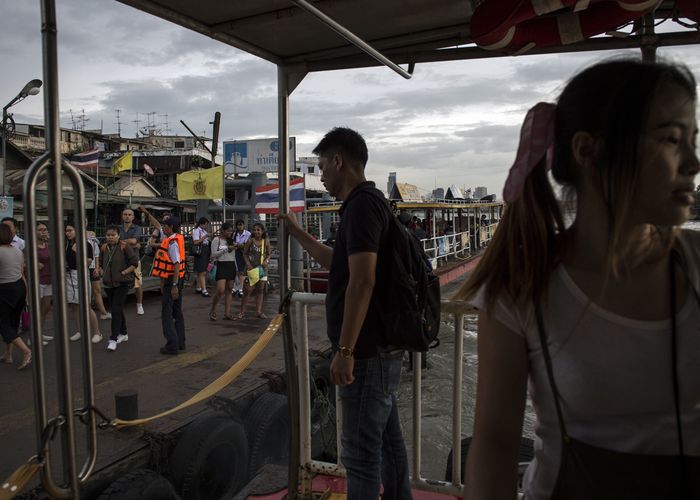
[(31, 88)]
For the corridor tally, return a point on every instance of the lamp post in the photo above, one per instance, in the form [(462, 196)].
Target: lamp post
[(31, 88)]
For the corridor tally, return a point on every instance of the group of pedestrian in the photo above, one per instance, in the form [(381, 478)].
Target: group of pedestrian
[(237, 259)]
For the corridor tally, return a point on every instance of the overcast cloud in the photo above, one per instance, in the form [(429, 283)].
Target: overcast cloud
[(453, 123)]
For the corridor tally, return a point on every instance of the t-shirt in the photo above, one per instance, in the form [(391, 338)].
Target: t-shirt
[(11, 263), (613, 374), (44, 256), (133, 232), (18, 243), (198, 233), (72, 256), (363, 228)]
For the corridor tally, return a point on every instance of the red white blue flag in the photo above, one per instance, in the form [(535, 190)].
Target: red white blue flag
[(88, 159), (267, 198)]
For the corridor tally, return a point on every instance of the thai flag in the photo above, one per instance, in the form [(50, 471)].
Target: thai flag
[(86, 160), (267, 198)]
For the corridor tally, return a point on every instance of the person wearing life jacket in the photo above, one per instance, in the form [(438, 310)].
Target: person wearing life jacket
[(169, 266)]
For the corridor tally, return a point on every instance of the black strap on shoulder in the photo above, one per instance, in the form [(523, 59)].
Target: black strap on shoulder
[(674, 352), (550, 371)]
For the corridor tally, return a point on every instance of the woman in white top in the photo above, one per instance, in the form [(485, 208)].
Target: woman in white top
[(598, 319), (13, 293), (222, 251), (200, 239)]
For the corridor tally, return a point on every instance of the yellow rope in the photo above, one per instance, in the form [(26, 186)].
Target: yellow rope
[(221, 382), (19, 479)]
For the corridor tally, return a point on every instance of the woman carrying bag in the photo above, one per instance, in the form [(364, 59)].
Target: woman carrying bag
[(598, 318), (256, 253), (118, 263)]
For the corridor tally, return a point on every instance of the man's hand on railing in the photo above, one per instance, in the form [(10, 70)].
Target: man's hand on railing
[(290, 220)]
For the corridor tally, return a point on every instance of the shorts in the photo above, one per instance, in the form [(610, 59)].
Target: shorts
[(72, 292), (45, 291), (138, 276), (225, 270)]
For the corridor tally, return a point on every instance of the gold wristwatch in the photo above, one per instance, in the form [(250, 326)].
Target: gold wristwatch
[(346, 352)]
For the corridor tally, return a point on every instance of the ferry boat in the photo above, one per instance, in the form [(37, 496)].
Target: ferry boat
[(298, 36)]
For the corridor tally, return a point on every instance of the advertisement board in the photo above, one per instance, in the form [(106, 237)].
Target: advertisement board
[(255, 155), (6, 206)]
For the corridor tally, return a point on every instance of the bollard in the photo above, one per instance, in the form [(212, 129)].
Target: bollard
[(126, 405)]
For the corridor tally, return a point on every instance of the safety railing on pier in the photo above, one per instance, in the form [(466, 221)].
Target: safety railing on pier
[(299, 311)]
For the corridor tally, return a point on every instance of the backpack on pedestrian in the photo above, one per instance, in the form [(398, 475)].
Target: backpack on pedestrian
[(409, 292)]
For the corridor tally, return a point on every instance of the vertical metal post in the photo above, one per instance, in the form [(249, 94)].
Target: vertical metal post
[(57, 245), (283, 244), (417, 395), (457, 400), (3, 162)]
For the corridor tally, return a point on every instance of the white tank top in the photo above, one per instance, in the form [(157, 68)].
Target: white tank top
[(613, 374)]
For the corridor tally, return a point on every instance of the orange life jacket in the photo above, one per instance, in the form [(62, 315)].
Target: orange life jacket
[(162, 265)]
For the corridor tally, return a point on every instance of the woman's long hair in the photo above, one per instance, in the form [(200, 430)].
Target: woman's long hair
[(611, 101)]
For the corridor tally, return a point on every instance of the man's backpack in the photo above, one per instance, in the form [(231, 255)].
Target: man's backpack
[(408, 291)]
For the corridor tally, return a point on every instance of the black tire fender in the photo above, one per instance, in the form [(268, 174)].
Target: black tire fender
[(142, 484), (526, 453), (210, 459), (267, 426)]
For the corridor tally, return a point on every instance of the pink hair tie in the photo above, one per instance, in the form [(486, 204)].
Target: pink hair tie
[(536, 141)]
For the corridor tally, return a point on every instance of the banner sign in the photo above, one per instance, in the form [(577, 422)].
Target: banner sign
[(6, 206), (255, 155)]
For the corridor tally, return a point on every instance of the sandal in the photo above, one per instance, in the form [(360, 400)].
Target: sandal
[(261, 315), (212, 316), (228, 317), (240, 316), (25, 362), (205, 293)]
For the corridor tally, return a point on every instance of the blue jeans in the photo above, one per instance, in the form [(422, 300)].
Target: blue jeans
[(172, 318), (374, 453)]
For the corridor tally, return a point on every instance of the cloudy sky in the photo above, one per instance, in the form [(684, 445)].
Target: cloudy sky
[(452, 123)]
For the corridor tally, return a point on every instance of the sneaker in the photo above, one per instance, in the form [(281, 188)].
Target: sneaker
[(122, 338), (240, 293), (112, 345), (139, 309), (106, 316), (97, 338), (75, 337), (47, 337)]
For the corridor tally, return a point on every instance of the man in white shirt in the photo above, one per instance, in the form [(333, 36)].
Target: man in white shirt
[(17, 242)]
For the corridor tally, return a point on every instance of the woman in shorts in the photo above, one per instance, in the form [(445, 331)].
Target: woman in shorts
[(222, 251), (72, 285)]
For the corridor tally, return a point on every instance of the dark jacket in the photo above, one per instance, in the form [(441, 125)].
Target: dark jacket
[(114, 261)]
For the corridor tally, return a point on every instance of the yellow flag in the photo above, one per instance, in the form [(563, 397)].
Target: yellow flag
[(123, 163), (207, 184)]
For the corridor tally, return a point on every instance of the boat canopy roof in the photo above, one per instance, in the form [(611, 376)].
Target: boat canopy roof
[(284, 32)]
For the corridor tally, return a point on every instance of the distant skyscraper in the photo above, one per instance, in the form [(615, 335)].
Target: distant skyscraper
[(480, 192), (438, 193), (392, 182)]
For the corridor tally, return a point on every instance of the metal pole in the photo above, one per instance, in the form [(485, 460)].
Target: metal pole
[(352, 38), (4, 151), (283, 243), (58, 261)]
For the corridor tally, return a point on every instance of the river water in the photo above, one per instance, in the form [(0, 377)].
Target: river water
[(437, 393)]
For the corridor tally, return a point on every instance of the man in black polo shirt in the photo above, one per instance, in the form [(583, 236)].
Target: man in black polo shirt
[(366, 372)]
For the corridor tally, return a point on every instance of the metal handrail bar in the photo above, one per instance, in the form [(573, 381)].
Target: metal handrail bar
[(352, 38), (301, 302), (56, 165)]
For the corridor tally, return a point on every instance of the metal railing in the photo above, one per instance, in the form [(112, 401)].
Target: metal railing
[(301, 302), (449, 245)]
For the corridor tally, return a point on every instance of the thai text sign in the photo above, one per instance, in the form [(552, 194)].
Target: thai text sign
[(255, 155)]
